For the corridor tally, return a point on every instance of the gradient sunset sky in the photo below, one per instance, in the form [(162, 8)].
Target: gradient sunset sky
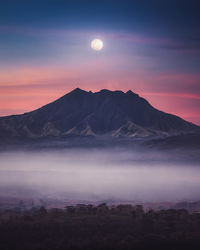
[(151, 47)]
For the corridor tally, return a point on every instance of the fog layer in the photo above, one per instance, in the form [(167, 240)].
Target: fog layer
[(98, 175)]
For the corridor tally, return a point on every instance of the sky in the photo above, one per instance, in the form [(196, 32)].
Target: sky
[(151, 47)]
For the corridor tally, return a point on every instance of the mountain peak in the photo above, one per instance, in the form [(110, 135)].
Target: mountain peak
[(104, 91), (130, 92), (78, 90)]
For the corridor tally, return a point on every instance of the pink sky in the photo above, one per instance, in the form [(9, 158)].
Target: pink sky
[(24, 89)]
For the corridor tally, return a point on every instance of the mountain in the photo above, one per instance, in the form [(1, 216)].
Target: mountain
[(103, 113)]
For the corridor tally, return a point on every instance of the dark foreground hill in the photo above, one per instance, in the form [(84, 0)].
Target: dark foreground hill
[(122, 227), (102, 114)]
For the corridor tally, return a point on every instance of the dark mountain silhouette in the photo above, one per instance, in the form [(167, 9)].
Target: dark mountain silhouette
[(104, 113)]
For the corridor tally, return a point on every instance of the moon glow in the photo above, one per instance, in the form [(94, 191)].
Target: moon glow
[(97, 44)]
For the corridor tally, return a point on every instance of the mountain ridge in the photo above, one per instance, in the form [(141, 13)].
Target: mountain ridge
[(103, 113)]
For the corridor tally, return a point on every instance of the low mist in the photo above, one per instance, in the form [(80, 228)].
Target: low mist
[(94, 175)]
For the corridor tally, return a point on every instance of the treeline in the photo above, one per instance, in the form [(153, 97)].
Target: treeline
[(85, 227)]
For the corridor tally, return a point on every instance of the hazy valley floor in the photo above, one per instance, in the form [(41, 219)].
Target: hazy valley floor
[(37, 184), (115, 175)]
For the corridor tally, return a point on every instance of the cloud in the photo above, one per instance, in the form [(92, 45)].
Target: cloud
[(183, 43)]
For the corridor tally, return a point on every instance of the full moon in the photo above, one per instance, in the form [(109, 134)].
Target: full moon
[(97, 44)]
